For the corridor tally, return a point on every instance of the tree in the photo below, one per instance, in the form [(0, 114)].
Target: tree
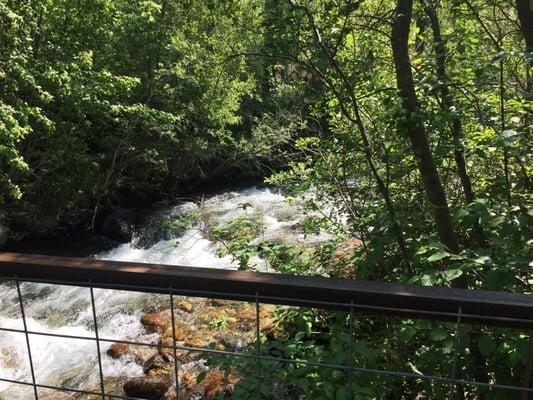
[(415, 126)]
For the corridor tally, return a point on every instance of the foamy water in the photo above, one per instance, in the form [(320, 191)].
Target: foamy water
[(67, 310)]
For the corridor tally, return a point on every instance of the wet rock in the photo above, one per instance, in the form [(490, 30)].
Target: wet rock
[(208, 316), (187, 379), (248, 315), (185, 305), (157, 366), (183, 210), (188, 382), (156, 321), (119, 225), (8, 358), (181, 331), (103, 243), (196, 342), (139, 355), (112, 385), (49, 394), (216, 383), (168, 353), (230, 341), (148, 387), (221, 303), (118, 350)]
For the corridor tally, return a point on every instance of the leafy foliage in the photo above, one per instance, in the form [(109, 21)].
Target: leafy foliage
[(103, 98)]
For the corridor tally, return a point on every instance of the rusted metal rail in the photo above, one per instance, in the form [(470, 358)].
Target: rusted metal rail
[(436, 303)]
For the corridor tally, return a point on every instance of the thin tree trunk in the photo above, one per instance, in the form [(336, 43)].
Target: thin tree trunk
[(419, 142), (415, 127), (448, 104), (355, 118)]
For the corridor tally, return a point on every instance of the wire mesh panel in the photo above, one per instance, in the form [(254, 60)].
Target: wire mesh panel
[(181, 347)]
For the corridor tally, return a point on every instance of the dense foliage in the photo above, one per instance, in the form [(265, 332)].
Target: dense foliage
[(106, 99), (406, 125)]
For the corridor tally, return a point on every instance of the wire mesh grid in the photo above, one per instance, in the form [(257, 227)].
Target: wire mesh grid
[(452, 380)]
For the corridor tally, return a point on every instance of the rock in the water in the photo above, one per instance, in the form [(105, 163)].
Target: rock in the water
[(157, 366), (216, 383), (221, 303), (156, 321), (118, 350), (120, 225), (185, 305), (148, 387), (184, 209), (49, 394), (139, 355), (230, 341)]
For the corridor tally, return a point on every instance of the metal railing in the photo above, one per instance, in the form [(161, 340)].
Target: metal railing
[(492, 309)]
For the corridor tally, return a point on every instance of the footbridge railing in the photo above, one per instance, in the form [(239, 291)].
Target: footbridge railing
[(355, 298)]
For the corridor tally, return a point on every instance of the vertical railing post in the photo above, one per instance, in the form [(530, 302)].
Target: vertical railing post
[(98, 351), (23, 314), (350, 355), (258, 344), (454, 384), (527, 377), (174, 345)]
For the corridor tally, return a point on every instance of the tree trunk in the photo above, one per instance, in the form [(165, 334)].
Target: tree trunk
[(447, 104), (415, 127), (525, 15), (355, 118)]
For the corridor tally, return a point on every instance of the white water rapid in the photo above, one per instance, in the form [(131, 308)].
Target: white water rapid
[(67, 310)]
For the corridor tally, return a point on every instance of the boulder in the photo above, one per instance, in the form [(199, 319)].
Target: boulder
[(103, 243), (185, 305), (157, 366), (148, 387), (120, 225), (165, 350), (156, 322), (118, 350), (230, 341), (183, 210), (181, 330), (49, 394), (217, 383), (139, 355)]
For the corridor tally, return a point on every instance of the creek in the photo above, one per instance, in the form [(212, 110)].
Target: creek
[(67, 310)]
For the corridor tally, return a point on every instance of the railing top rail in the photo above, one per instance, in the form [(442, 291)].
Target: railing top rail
[(437, 303)]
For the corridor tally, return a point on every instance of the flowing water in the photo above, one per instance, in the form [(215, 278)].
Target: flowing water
[(67, 310)]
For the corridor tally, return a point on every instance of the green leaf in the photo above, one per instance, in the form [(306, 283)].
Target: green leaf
[(438, 334), (362, 349), (201, 376), (483, 260), (414, 368), (438, 256), (487, 345), (342, 394), (451, 274)]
